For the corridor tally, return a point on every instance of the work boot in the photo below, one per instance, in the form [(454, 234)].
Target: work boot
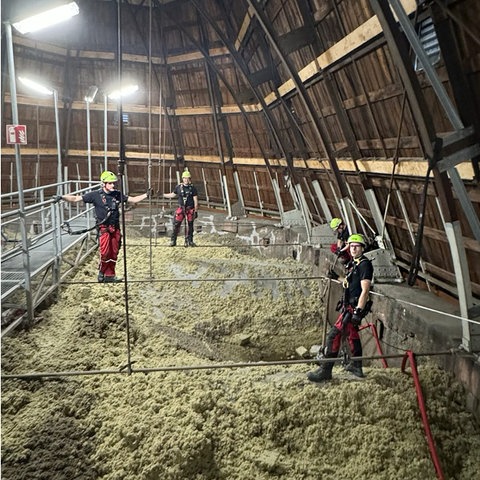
[(101, 277), (355, 368), (322, 374), (110, 279)]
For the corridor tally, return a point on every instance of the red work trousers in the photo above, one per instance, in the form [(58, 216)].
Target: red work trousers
[(342, 327), (180, 214), (109, 240)]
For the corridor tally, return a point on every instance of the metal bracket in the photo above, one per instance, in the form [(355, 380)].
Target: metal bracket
[(293, 218), (238, 210), (458, 147), (323, 235), (384, 268)]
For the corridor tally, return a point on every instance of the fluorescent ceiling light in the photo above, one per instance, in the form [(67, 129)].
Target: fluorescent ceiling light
[(90, 96), (122, 92), (36, 86), (48, 18)]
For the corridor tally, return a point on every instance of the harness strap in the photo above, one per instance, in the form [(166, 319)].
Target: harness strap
[(66, 226)]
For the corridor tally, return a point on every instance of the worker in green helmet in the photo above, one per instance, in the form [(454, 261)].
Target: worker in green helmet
[(354, 306), (187, 195), (107, 202), (340, 247)]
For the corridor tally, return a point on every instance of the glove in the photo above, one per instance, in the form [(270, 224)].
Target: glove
[(357, 317), (56, 198), (196, 215), (149, 192)]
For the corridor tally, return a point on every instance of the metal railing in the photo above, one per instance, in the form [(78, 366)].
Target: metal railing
[(32, 267)]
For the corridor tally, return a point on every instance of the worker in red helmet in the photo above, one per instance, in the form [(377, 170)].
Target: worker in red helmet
[(187, 195), (354, 307), (107, 201)]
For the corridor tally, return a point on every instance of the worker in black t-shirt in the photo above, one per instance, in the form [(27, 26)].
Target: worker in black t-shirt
[(187, 208), (354, 306), (107, 201)]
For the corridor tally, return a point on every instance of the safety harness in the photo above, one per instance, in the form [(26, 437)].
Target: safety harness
[(346, 303), (66, 225), (186, 191)]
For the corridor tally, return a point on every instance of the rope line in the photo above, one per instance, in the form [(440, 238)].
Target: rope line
[(320, 277), (217, 366)]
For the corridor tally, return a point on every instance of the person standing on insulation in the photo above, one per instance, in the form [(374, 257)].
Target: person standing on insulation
[(107, 201), (187, 208), (354, 305), (338, 248)]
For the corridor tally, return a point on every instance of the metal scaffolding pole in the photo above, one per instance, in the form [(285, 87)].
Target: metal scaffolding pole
[(18, 163)]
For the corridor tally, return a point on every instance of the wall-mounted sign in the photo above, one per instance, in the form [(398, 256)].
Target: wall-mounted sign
[(16, 134)]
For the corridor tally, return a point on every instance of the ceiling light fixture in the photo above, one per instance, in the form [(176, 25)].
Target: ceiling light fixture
[(92, 92), (48, 18), (37, 87), (122, 92)]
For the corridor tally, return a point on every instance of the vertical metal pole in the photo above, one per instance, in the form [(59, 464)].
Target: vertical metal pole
[(227, 196), (105, 131), (312, 198), (89, 150), (222, 188), (305, 212), (121, 173), (347, 216), (260, 203), (238, 186), (207, 197), (11, 183), (37, 167), (323, 201), (59, 152), (378, 219), (89, 156), (278, 196), (18, 163)]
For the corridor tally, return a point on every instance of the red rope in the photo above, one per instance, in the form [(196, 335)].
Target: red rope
[(423, 411), (377, 341)]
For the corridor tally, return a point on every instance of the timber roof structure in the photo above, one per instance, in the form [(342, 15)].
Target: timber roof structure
[(318, 106)]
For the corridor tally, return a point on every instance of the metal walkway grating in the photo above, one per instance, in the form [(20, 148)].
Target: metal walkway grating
[(41, 256)]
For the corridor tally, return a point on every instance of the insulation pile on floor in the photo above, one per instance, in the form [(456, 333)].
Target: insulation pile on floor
[(233, 423)]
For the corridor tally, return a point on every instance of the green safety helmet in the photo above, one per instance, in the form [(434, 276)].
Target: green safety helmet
[(186, 174), (335, 223), (108, 176), (356, 238)]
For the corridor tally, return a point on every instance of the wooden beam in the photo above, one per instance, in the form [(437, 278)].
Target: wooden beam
[(414, 167), (131, 108), (88, 54)]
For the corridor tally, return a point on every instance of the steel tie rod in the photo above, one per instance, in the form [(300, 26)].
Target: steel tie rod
[(218, 366)]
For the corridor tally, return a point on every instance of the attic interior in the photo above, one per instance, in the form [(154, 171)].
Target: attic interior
[(286, 112), (274, 107)]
